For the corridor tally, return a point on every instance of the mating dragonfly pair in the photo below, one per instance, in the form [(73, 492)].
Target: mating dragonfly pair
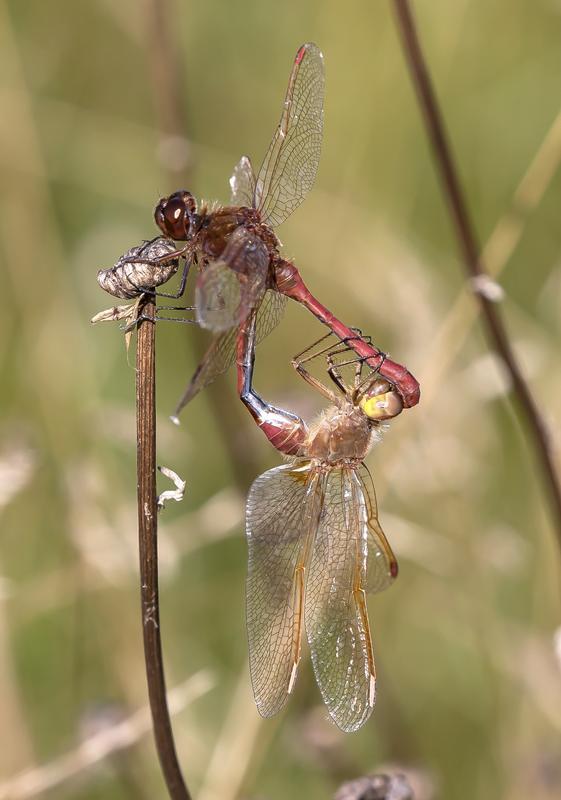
[(315, 543)]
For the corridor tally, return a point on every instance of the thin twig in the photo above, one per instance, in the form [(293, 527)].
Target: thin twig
[(470, 251), (106, 743), (497, 251), (148, 549)]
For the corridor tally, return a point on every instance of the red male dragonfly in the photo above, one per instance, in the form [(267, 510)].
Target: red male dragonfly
[(316, 546), (243, 281)]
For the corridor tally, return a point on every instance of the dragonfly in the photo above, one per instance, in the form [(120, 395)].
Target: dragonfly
[(316, 546), (242, 281)]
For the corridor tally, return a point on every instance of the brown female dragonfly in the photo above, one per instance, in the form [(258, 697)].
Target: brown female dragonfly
[(243, 282), (316, 546)]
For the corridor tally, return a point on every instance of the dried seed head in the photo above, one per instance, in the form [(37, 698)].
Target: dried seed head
[(140, 268)]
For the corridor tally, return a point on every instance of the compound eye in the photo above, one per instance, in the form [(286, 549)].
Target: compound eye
[(382, 402), (172, 215)]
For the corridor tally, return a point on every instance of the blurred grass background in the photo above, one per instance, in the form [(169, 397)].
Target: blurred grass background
[(469, 666)]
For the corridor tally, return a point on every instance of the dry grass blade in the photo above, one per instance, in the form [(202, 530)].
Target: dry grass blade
[(497, 252), (470, 250), (101, 745), (234, 752)]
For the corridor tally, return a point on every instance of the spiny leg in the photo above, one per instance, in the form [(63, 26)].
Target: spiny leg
[(366, 382), (329, 351), (289, 282), (359, 362), (358, 373), (313, 381), (340, 346), (299, 356), (157, 318), (335, 375), (177, 319), (182, 284), (152, 291), (332, 371)]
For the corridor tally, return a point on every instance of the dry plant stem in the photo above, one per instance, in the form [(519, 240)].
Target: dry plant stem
[(148, 549), (470, 251)]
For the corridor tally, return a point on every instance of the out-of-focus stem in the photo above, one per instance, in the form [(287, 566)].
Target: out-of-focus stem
[(148, 549), (167, 72), (470, 251)]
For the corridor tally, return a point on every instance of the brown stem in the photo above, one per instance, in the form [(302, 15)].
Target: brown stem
[(148, 549), (470, 250)]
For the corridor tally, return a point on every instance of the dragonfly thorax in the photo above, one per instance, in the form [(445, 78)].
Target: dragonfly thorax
[(218, 226), (341, 434)]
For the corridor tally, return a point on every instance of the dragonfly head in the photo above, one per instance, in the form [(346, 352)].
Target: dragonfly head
[(379, 401), (176, 215)]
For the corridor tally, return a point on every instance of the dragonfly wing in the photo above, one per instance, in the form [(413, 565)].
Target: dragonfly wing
[(221, 353), (382, 564), (228, 288), (335, 610), (242, 183), (269, 314), (281, 517), (218, 357), (218, 297), (290, 166)]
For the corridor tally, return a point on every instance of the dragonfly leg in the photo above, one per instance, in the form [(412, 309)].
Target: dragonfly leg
[(329, 351), (306, 355), (289, 282), (182, 283), (286, 431), (177, 308), (152, 291), (333, 370), (157, 318), (176, 319), (358, 374), (317, 384)]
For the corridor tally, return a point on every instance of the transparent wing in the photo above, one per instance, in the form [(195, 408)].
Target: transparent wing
[(382, 563), (289, 168), (229, 288), (219, 356), (242, 183), (269, 313), (221, 353), (219, 298), (281, 517), (335, 609)]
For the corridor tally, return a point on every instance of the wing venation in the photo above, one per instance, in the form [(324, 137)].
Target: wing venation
[(336, 616), (290, 165), (242, 183), (281, 517)]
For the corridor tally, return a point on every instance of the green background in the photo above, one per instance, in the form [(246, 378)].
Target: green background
[(469, 675)]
